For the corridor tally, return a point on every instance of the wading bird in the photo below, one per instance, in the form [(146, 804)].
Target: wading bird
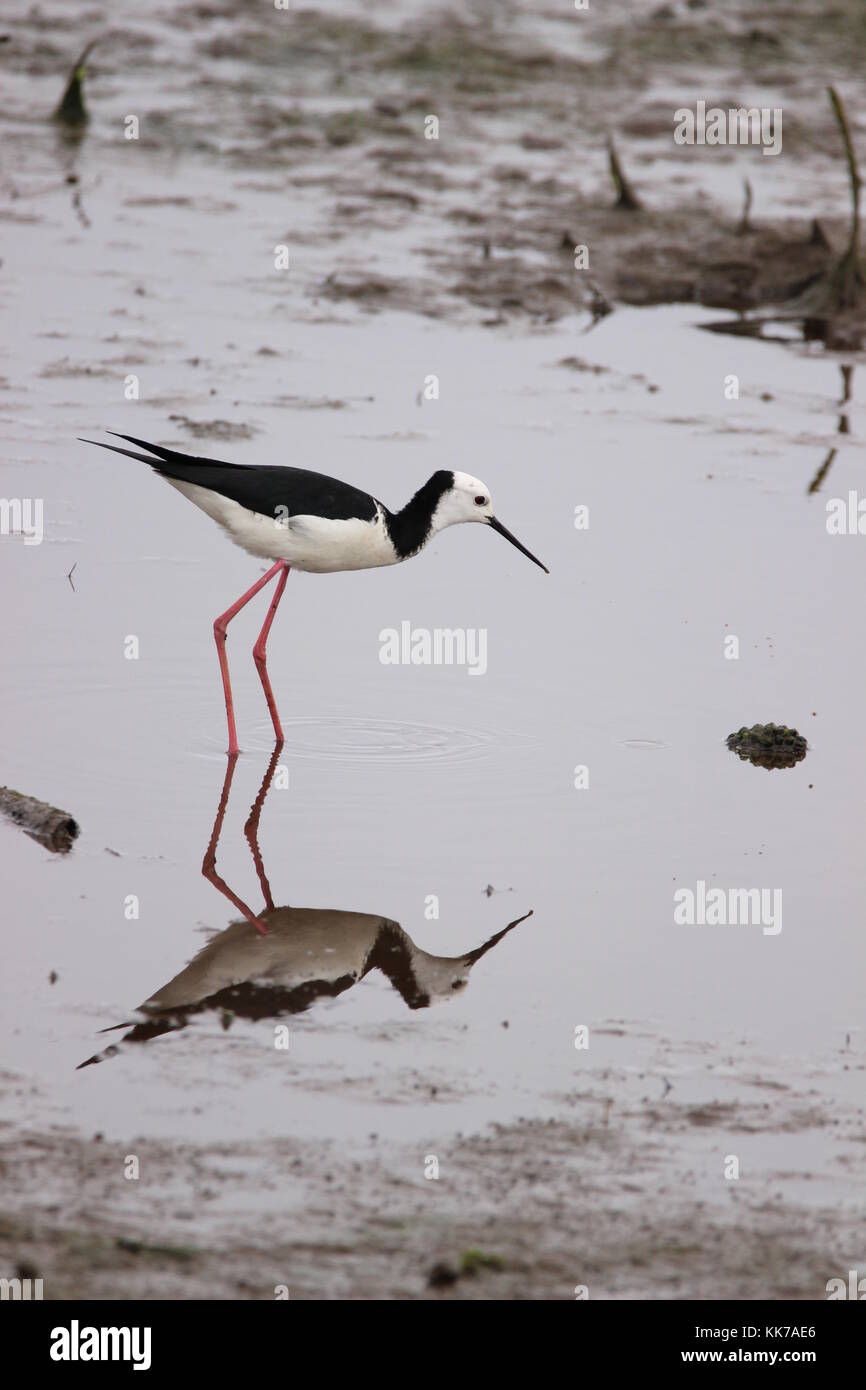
[(307, 521)]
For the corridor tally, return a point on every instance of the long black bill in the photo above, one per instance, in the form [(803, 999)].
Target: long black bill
[(503, 531), (472, 956)]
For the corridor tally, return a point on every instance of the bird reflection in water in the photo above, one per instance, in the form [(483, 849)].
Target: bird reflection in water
[(283, 959)]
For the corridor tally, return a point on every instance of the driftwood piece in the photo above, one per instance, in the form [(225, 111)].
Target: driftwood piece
[(52, 828)]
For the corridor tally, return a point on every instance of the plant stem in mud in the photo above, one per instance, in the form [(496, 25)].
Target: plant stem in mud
[(848, 276), (71, 109), (627, 199)]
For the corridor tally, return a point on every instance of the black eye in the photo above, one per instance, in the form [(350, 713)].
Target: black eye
[(480, 501)]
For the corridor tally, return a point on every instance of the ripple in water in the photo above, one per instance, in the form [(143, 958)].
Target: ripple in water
[(382, 740), (371, 741)]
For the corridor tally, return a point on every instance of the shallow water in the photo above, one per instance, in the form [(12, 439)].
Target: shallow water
[(407, 781)]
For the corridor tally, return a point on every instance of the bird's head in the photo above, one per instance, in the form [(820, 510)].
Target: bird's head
[(468, 499)]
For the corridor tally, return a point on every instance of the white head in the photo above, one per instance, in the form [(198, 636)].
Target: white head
[(441, 977), (468, 499)]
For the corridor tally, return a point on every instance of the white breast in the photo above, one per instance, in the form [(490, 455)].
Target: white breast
[(314, 543)]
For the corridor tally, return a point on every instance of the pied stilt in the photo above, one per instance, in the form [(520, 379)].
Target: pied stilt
[(307, 521)]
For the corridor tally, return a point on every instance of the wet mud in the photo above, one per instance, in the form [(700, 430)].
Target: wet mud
[(554, 1209)]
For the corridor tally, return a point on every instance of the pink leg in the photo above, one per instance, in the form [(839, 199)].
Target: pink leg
[(251, 829), (219, 632), (208, 867), (260, 655)]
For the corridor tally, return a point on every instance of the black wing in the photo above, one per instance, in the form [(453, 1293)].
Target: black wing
[(261, 489)]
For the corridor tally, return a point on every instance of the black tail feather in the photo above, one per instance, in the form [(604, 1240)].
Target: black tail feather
[(259, 488), (173, 456), (165, 460), (116, 450), (163, 454)]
